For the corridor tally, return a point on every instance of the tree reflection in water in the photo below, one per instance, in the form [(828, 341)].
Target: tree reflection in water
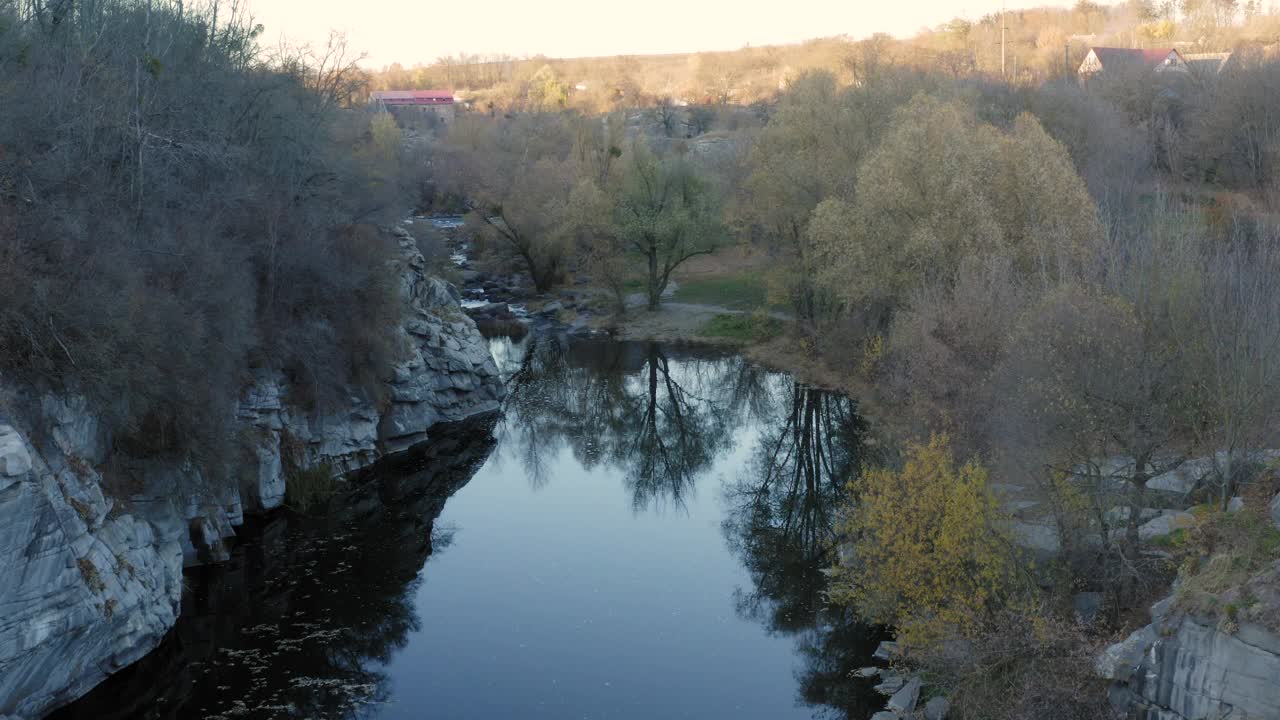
[(628, 406), (781, 525), (662, 424)]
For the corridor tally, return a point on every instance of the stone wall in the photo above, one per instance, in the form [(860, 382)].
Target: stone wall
[(90, 583)]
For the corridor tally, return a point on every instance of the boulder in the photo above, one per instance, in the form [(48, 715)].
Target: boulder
[(1182, 479), (1235, 504), (937, 708), (1119, 514), (1119, 661), (1165, 525), (73, 427), (890, 685), (886, 650), (15, 458), (1039, 537), (1275, 510), (904, 701)]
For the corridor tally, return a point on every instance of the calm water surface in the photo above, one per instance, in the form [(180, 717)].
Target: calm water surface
[(640, 534)]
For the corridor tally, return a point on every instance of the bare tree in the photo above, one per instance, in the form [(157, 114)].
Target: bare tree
[(667, 214), (1234, 353)]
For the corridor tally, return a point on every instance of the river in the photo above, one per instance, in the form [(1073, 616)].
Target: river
[(639, 534)]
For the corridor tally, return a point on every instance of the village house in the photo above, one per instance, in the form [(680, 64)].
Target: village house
[(1104, 61)]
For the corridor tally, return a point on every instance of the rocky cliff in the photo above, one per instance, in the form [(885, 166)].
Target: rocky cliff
[(91, 581), (1182, 667)]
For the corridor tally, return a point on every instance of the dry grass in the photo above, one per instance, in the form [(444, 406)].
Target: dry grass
[(310, 487), (89, 571), (1231, 566)]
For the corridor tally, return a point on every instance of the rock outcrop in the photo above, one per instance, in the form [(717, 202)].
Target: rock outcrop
[(1185, 668), (84, 590), (90, 581)]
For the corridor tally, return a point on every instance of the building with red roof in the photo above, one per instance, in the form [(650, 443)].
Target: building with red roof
[(412, 98)]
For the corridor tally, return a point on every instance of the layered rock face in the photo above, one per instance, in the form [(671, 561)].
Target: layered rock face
[(91, 581), (84, 589), (1180, 668)]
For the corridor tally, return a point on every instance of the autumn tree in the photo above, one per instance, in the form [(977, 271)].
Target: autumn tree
[(928, 550), (667, 214), (546, 92)]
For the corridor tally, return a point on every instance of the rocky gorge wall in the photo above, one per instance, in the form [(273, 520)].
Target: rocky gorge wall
[(90, 582), (1186, 668)]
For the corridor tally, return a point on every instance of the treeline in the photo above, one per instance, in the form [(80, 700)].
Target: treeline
[(1039, 44), (177, 208)]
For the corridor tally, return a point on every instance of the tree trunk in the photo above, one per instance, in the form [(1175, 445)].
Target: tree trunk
[(1137, 500), (1228, 472), (655, 292)]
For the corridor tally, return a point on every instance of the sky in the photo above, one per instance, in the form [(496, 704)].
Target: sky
[(419, 31)]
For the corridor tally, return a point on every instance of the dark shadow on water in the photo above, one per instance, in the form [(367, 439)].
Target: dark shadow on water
[(299, 622)]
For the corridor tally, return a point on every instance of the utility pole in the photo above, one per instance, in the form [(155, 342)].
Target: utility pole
[(1003, 27)]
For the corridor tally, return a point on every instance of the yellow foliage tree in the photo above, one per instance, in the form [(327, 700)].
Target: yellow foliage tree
[(930, 553)]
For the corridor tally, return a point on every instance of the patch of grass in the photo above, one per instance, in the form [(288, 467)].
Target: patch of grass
[(310, 487), (1175, 540), (745, 328), (745, 291), (636, 284)]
